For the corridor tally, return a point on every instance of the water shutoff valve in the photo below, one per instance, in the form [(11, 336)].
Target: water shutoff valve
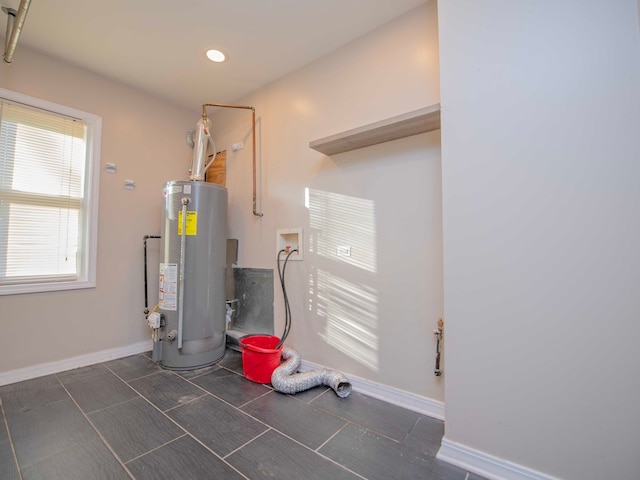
[(154, 319)]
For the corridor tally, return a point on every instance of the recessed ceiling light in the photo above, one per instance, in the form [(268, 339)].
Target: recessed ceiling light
[(216, 56)]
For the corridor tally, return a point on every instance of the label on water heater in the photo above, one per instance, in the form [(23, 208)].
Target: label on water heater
[(192, 223), (168, 287)]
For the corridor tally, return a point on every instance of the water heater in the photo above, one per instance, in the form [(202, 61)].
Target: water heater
[(192, 275), (189, 323)]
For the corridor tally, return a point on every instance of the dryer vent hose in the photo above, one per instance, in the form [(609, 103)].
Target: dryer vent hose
[(285, 379)]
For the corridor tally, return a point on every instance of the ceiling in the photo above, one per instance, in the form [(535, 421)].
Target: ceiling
[(159, 45)]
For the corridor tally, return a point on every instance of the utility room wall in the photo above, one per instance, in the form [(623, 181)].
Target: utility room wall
[(144, 137), (370, 314)]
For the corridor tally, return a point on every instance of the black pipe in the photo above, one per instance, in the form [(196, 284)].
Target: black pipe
[(287, 307), (146, 297)]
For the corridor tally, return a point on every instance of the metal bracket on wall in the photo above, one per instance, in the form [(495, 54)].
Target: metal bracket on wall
[(438, 332)]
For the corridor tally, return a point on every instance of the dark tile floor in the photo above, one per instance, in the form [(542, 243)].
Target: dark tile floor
[(128, 418)]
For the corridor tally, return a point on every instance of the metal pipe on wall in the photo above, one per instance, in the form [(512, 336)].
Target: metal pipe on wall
[(438, 332), (14, 28), (11, 16), (183, 237), (253, 141), (146, 293)]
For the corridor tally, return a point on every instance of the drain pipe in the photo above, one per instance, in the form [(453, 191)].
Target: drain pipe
[(15, 20), (285, 380)]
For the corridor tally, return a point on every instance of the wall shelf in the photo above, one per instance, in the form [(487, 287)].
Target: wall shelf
[(411, 123)]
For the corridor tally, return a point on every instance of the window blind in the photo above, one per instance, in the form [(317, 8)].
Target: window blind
[(42, 192)]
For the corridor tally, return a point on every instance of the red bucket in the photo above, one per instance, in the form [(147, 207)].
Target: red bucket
[(260, 357)]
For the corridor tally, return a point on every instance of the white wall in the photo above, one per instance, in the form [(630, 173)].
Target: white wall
[(144, 136), (541, 197), (372, 314)]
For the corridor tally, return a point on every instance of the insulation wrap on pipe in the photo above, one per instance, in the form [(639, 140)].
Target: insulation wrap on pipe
[(285, 379)]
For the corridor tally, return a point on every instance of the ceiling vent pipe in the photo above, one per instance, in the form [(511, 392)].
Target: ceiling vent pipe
[(15, 20)]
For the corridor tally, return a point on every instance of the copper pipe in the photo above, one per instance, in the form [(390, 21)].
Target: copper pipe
[(253, 141), (12, 36)]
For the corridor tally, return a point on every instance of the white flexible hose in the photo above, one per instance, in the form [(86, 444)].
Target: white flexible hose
[(285, 380)]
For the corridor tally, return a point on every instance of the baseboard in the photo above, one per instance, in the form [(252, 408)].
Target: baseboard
[(488, 466), (395, 396), (27, 373)]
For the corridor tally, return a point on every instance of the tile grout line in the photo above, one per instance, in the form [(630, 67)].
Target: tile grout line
[(157, 448), (347, 422), (318, 396), (332, 436), (104, 441), (136, 378), (188, 433), (268, 390), (406, 435), (254, 399), (356, 425), (308, 401), (311, 449), (69, 398), (246, 443), (317, 451), (177, 372), (188, 380), (368, 429), (269, 427), (13, 448), (204, 394), (239, 409), (105, 408)]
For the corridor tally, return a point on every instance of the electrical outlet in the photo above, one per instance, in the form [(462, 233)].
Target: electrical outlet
[(288, 239)]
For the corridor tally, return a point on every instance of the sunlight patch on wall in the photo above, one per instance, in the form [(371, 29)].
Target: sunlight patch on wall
[(348, 307), (340, 220), (351, 315)]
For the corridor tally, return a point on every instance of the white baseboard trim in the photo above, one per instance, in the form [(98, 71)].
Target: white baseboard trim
[(27, 373), (395, 396), (486, 465)]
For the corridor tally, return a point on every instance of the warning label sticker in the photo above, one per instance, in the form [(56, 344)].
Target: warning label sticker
[(168, 287), (192, 223)]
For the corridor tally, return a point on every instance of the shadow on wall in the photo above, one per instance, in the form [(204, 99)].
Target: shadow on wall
[(343, 239)]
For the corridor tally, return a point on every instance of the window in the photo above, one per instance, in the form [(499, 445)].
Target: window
[(49, 167)]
